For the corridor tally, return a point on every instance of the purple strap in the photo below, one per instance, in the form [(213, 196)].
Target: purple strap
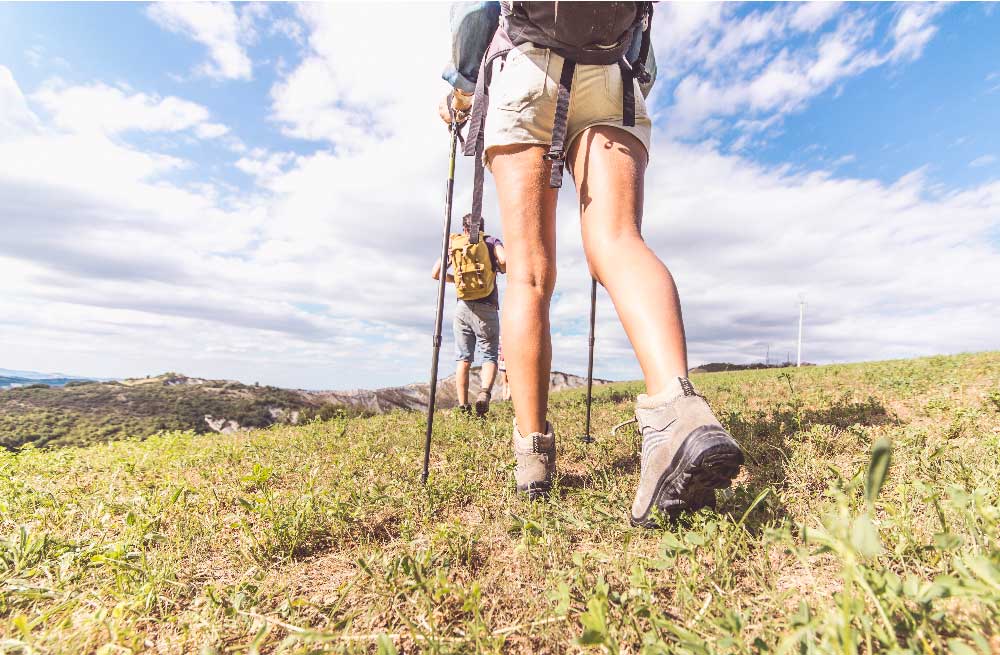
[(475, 142)]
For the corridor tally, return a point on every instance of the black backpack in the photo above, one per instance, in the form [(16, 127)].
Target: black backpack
[(585, 32), (582, 33)]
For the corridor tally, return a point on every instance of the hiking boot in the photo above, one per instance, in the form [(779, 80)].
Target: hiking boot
[(483, 403), (686, 454), (536, 461), (464, 409)]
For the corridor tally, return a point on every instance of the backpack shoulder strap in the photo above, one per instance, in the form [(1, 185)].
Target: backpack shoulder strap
[(475, 142)]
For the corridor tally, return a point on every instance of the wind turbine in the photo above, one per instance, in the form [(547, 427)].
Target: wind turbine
[(802, 313)]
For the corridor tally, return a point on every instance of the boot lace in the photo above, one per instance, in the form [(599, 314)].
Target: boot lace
[(615, 429)]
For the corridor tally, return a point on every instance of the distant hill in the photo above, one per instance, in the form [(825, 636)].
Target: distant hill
[(416, 396), (83, 412), (10, 378), (718, 367), (31, 375), (9, 382)]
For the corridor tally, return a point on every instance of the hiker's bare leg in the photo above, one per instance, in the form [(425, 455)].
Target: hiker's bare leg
[(608, 167), (462, 382), (488, 375), (528, 213)]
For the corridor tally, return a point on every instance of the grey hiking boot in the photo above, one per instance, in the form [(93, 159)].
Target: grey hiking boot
[(483, 402), (686, 454), (536, 461)]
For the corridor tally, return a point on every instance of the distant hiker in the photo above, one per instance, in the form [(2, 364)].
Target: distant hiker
[(477, 319), (554, 83)]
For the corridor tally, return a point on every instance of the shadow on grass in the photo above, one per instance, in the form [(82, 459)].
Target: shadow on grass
[(622, 466), (768, 440)]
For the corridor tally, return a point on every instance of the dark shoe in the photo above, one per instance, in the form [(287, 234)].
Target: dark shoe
[(482, 403), (464, 409), (686, 455), (536, 461)]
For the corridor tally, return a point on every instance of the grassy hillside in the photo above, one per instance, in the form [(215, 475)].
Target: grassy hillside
[(319, 538), (83, 413)]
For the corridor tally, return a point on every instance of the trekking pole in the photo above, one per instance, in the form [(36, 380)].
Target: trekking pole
[(456, 126), (586, 438)]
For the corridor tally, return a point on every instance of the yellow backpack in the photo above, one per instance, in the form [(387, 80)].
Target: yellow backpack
[(472, 266)]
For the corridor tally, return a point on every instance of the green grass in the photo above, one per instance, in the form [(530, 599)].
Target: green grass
[(320, 538)]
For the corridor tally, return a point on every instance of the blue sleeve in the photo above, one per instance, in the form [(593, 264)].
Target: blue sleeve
[(633, 55), (491, 247), (472, 28)]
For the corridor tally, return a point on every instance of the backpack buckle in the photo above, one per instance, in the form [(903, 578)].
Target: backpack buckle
[(640, 73), (554, 155)]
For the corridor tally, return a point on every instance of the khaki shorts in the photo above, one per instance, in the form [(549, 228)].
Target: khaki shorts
[(523, 100)]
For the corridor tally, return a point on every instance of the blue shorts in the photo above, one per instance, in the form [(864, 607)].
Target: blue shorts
[(476, 322)]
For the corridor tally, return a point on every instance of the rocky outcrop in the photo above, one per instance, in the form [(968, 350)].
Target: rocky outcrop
[(416, 396), (222, 425)]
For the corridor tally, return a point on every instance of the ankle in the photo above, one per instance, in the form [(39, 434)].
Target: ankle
[(674, 388), (545, 429)]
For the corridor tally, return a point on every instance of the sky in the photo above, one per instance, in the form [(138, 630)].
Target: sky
[(256, 191)]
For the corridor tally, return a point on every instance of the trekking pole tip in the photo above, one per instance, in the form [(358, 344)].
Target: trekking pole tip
[(586, 438)]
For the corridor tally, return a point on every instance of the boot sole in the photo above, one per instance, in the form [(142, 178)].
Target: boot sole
[(708, 459)]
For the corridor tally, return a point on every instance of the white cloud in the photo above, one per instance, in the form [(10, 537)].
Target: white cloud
[(810, 16), (217, 26), (783, 85), (730, 64), (111, 110), (913, 29), (288, 28), (318, 275), (994, 86), (264, 165), (984, 160), (35, 55), (211, 130), (16, 118), (333, 96)]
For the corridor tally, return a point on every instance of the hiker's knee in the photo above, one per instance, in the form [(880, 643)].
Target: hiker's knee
[(608, 246), (539, 279), (600, 234)]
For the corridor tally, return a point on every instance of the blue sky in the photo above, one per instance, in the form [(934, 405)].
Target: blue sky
[(934, 111), (254, 191)]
